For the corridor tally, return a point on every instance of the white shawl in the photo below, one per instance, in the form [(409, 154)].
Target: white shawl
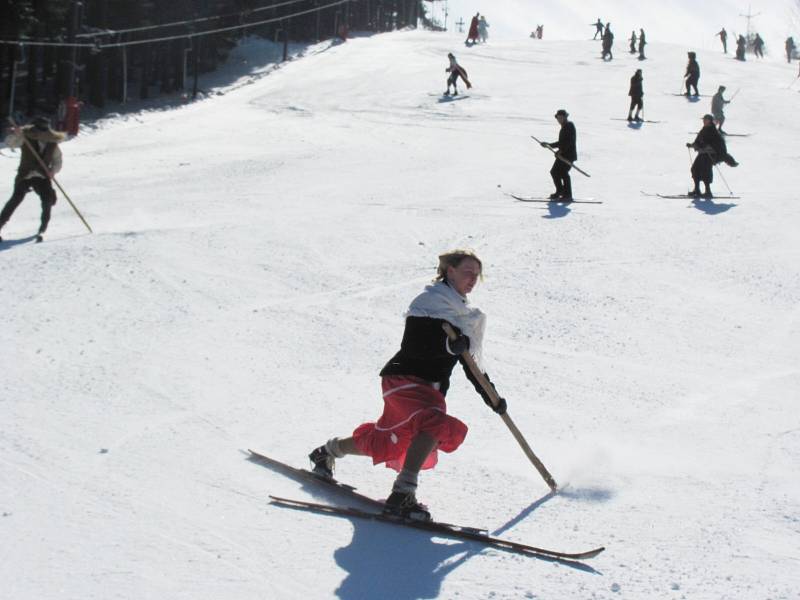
[(440, 301)]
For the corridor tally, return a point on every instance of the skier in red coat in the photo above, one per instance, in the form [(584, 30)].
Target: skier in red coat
[(472, 36), (415, 423)]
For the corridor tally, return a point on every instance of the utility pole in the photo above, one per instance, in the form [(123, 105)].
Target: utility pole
[(76, 17), (749, 16)]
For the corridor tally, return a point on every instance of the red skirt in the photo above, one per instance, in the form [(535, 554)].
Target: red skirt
[(410, 405)]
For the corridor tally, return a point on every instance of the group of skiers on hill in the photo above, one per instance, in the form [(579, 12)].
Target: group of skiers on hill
[(757, 43), (478, 30), (607, 40)]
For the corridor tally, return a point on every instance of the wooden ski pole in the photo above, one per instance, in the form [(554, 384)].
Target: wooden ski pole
[(562, 159), (492, 394), (50, 175)]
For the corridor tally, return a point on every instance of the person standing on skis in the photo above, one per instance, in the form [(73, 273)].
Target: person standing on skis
[(636, 92), (711, 149), (692, 75), (455, 71), (415, 423), (718, 103), (567, 149)]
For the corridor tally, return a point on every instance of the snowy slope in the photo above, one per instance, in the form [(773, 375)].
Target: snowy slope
[(252, 258)]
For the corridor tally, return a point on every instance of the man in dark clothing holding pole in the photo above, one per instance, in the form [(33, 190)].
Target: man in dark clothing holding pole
[(567, 149), (32, 174), (711, 149)]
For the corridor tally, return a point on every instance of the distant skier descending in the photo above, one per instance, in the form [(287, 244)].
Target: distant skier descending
[(608, 43), (723, 37), (790, 48), (636, 92), (642, 44), (718, 103), (741, 47), (567, 149), (598, 25), (692, 75), (455, 71), (472, 34), (758, 46), (711, 149), (483, 29)]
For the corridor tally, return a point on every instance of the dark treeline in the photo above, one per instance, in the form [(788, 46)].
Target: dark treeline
[(110, 61)]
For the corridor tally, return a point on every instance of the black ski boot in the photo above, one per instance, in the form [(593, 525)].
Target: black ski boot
[(404, 505), (322, 462)]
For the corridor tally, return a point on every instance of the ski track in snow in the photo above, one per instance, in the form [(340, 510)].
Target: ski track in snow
[(253, 255)]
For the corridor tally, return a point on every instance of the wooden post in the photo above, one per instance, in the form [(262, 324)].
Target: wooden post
[(492, 394)]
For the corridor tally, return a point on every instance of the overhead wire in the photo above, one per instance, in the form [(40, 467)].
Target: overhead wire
[(99, 46)]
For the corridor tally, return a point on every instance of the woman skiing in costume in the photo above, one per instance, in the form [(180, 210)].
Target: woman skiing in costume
[(415, 423), (456, 71)]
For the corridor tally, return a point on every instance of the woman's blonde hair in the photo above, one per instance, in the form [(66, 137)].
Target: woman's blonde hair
[(453, 259)]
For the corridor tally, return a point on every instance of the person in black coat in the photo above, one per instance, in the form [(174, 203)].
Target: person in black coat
[(642, 44), (741, 46), (723, 36), (632, 40), (636, 92), (567, 149), (692, 75), (711, 149), (608, 43)]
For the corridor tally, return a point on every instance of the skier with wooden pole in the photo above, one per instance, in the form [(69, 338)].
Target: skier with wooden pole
[(415, 423), (40, 160)]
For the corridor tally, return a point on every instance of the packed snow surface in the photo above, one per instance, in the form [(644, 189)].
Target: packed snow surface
[(253, 255)]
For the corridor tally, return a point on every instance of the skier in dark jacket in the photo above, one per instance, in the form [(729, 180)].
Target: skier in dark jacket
[(598, 29), (416, 424), (636, 93), (741, 46), (632, 40), (31, 175), (692, 75), (642, 44), (567, 149), (711, 150), (723, 37), (758, 46), (789, 49), (608, 42)]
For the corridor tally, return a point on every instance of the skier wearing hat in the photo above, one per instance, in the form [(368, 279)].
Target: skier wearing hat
[(717, 108), (711, 150), (42, 141), (566, 150), (692, 75)]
